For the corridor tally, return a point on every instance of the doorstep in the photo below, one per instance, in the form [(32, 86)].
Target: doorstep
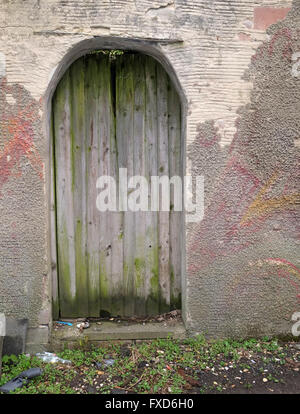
[(64, 336)]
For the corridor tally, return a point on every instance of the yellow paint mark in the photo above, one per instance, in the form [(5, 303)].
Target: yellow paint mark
[(261, 206), (291, 268)]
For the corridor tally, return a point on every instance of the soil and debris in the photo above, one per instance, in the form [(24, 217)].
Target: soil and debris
[(166, 366), (84, 323)]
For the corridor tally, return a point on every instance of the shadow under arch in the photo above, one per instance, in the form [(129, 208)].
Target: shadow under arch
[(146, 47)]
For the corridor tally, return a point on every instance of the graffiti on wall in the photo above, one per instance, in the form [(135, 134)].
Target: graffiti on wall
[(19, 119), (254, 200)]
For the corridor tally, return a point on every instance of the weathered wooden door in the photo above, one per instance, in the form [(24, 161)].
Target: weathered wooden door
[(111, 114)]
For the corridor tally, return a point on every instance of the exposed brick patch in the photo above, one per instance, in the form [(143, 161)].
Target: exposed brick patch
[(265, 16)]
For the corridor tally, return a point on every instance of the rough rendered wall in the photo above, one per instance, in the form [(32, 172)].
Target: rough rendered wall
[(234, 64)]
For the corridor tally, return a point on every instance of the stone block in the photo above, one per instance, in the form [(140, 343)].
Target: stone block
[(15, 337)]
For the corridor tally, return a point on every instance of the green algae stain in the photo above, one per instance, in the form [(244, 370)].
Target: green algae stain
[(139, 265), (81, 270), (154, 281), (176, 301), (67, 300), (172, 276), (103, 277)]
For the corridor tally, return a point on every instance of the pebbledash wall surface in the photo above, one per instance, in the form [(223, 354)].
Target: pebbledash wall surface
[(235, 66)]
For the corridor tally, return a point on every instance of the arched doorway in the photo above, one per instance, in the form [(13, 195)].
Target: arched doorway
[(113, 111)]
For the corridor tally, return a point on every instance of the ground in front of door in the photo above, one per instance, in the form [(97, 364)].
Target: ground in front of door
[(192, 365)]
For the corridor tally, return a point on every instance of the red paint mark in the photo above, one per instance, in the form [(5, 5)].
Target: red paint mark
[(287, 35), (265, 16), (241, 282), (268, 48), (18, 123), (285, 275), (244, 37), (220, 233), (206, 142)]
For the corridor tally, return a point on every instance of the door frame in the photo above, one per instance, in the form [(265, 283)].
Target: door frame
[(143, 46)]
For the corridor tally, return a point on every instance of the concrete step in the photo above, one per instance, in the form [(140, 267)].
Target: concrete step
[(63, 335)]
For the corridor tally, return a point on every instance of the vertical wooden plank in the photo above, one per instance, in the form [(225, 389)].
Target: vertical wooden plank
[(116, 217), (54, 264), (163, 169), (139, 169), (104, 119), (64, 205), (92, 105), (174, 115), (151, 236), (78, 140), (125, 105)]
